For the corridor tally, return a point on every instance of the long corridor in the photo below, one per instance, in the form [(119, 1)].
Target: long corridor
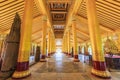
[(62, 67)]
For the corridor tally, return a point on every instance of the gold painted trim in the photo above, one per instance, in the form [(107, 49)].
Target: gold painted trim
[(21, 74), (101, 73), (76, 60), (43, 60)]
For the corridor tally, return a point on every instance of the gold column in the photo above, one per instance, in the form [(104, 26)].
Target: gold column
[(71, 45), (99, 65), (62, 46), (22, 69), (75, 47), (44, 42), (1, 46), (65, 44), (63, 50), (49, 41), (52, 44), (69, 42)]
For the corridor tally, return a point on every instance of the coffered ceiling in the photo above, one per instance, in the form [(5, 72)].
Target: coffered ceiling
[(58, 12)]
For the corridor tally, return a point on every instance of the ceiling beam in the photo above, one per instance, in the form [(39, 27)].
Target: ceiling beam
[(80, 39), (5, 9), (72, 11), (58, 29), (42, 7), (61, 12), (36, 31), (82, 32), (38, 42), (83, 20), (37, 18), (80, 42), (59, 22), (34, 20), (37, 38), (59, 1), (6, 2), (6, 31)]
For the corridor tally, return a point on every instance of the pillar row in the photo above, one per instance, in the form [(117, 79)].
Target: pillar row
[(44, 40), (22, 69), (63, 45), (49, 42), (75, 48), (69, 42), (66, 43), (99, 65)]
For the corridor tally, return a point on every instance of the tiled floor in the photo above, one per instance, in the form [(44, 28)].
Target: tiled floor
[(61, 67)]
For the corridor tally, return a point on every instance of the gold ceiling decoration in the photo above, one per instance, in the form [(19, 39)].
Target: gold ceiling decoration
[(58, 11)]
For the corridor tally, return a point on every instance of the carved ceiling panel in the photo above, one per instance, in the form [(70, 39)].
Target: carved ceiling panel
[(59, 10)]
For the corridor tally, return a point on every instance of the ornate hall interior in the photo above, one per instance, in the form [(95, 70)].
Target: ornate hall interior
[(59, 39)]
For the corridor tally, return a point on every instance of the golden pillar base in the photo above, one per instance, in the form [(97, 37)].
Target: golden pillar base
[(76, 58), (0, 63), (21, 74), (69, 55), (66, 53), (43, 58), (22, 70), (49, 55), (101, 74)]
